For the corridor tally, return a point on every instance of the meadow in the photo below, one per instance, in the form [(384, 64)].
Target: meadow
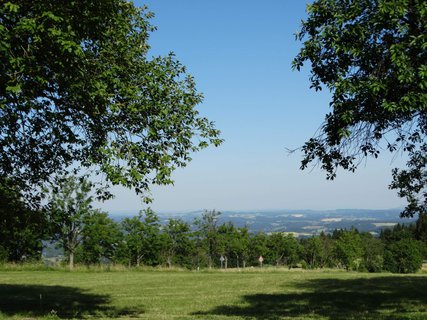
[(252, 294)]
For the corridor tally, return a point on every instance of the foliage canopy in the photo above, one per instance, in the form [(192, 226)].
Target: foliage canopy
[(21, 228), (77, 88), (372, 56)]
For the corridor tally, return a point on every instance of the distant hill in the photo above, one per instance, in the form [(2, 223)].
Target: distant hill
[(303, 223)]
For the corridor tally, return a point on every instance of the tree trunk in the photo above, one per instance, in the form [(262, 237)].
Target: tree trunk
[(244, 263), (226, 262), (237, 261), (71, 260)]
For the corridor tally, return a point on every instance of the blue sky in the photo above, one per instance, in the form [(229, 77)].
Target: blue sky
[(240, 54)]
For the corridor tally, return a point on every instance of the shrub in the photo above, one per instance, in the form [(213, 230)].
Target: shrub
[(403, 256)]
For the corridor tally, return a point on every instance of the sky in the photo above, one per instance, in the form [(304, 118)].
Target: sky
[(240, 54)]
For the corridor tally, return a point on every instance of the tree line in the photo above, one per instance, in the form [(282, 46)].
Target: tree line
[(89, 236)]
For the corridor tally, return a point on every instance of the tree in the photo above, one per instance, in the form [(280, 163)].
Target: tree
[(69, 204), (276, 247), (178, 245), (348, 249), (284, 249), (313, 252), (371, 55), (240, 245), (403, 256), (77, 89), (233, 244), (22, 229), (373, 253), (142, 238), (100, 237), (293, 250), (328, 246), (258, 246), (208, 234), (225, 237)]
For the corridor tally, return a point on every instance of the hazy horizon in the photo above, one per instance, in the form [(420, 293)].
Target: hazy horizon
[(261, 211)]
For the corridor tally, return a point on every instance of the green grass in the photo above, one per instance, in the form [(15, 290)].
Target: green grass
[(211, 295)]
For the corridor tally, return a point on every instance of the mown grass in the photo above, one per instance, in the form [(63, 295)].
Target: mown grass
[(180, 294)]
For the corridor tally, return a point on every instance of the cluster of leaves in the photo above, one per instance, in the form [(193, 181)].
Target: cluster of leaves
[(412, 183), (77, 88), (22, 229), (372, 56)]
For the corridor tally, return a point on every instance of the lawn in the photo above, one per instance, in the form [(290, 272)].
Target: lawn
[(211, 295)]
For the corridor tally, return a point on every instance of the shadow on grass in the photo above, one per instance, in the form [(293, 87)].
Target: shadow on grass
[(64, 302), (390, 298)]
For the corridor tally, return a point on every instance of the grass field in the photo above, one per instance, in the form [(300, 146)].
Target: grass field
[(211, 295)]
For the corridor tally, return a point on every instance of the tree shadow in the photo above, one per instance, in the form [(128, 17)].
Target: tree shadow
[(389, 298), (64, 302)]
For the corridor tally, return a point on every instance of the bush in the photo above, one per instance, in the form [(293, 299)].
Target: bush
[(403, 256), (3, 255)]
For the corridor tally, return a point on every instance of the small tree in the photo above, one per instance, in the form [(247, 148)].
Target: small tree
[(348, 250), (284, 249), (100, 237), (233, 244), (313, 252), (373, 253), (403, 256), (177, 243), (258, 246), (208, 234), (70, 203), (328, 247), (240, 245), (276, 248), (293, 250), (142, 238)]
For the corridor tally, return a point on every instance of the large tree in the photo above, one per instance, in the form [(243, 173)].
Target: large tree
[(372, 56), (77, 88)]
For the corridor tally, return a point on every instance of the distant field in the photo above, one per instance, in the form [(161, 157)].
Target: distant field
[(211, 295)]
